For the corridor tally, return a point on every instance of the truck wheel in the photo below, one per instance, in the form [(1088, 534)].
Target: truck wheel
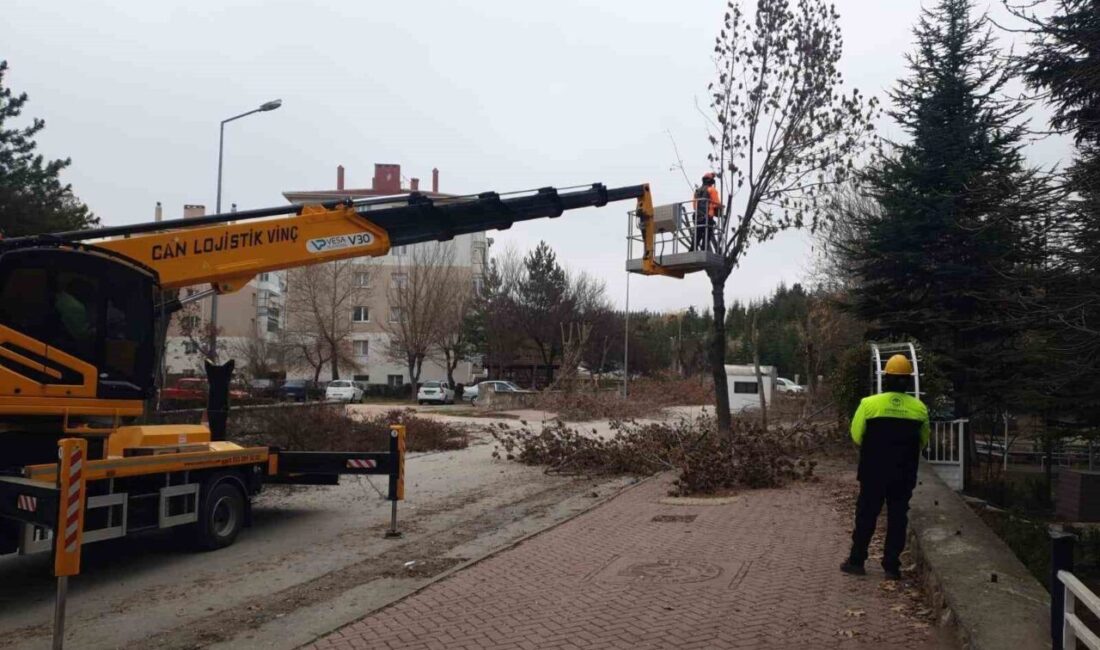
[(221, 516)]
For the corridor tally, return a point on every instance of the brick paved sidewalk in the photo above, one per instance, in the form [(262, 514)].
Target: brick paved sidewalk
[(760, 572)]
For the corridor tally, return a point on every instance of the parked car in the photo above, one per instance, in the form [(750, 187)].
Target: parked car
[(194, 389), (264, 388), (299, 390), (787, 386), (439, 392), (344, 390), (472, 392)]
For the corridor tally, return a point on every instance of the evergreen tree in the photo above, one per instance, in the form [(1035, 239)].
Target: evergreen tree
[(1063, 63), (542, 303), (942, 261), (32, 198)]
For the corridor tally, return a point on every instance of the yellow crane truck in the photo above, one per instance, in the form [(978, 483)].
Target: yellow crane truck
[(78, 356)]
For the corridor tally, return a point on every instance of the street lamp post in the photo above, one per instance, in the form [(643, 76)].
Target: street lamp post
[(267, 106)]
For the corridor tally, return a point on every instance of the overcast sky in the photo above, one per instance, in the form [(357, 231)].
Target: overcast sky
[(498, 95)]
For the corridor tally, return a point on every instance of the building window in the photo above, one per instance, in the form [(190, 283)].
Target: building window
[(362, 279), (360, 315), (363, 378), (396, 381), (360, 348), (396, 316), (479, 285), (400, 251), (399, 280), (273, 319), (189, 322), (190, 347), (745, 387), (264, 277)]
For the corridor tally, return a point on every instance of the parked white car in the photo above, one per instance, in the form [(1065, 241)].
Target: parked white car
[(787, 386), (470, 393), (344, 390), (439, 392)]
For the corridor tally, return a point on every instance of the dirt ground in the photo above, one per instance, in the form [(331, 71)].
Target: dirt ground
[(314, 559)]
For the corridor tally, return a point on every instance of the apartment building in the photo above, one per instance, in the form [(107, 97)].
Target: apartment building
[(376, 276)]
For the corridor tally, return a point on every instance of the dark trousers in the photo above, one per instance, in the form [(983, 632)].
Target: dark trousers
[(703, 235), (872, 494)]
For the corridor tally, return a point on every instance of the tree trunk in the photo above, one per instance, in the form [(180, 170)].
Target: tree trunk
[(718, 353), (410, 361), (451, 361), (759, 375)]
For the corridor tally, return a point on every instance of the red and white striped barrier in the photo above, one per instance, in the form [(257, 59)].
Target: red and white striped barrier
[(70, 520), (73, 501), (361, 463), (27, 503)]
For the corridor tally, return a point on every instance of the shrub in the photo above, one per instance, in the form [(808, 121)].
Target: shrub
[(329, 428), (705, 461)]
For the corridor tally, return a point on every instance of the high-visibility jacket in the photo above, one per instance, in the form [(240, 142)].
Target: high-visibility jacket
[(711, 202), (890, 429)]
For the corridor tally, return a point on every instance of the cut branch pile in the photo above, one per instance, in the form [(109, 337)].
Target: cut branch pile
[(705, 462)]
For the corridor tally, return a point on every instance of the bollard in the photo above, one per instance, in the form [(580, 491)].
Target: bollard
[(397, 475), (68, 534), (1061, 559)]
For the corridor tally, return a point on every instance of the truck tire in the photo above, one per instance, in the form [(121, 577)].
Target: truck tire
[(221, 515)]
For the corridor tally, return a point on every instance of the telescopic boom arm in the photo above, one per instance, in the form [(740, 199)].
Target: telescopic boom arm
[(228, 250)]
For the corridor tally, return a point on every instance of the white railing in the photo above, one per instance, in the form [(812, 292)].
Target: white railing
[(945, 445), (1073, 629), (945, 451)]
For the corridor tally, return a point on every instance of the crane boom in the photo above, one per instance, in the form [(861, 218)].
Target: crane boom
[(228, 250)]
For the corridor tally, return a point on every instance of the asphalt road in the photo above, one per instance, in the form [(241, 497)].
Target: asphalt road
[(314, 559)]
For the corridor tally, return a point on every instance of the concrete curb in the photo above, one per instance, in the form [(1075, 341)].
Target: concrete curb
[(485, 556), (973, 579)]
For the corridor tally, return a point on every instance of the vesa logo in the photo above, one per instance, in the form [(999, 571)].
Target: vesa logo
[(337, 242)]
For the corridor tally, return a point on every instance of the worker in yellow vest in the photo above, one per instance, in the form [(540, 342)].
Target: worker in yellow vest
[(891, 429)]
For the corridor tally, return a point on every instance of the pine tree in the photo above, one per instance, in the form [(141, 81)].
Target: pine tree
[(1063, 63), (542, 303), (945, 257), (32, 198)]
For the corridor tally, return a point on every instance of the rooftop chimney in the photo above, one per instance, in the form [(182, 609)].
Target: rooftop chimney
[(158, 214), (435, 180), (191, 210), (414, 184), (387, 179), (339, 177)]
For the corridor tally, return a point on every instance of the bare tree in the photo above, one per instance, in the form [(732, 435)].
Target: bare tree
[(574, 341), (259, 357), (781, 130), (196, 333), (455, 340), (320, 304), (419, 305)]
